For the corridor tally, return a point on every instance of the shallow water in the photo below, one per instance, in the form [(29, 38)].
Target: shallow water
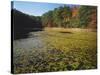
[(34, 40)]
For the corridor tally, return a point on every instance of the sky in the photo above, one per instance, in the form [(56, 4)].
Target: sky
[(35, 8)]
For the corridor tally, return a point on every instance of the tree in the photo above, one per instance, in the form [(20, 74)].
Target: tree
[(66, 14), (57, 16), (47, 19), (86, 15)]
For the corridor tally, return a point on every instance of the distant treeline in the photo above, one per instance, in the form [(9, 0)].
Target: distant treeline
[(75, 16)]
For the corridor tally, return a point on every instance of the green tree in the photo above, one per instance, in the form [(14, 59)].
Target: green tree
[(85, 15), (66, 14), (62, 16), (57, 16), (47, 19)]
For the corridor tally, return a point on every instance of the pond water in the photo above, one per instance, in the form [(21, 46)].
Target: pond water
[(34, 40)]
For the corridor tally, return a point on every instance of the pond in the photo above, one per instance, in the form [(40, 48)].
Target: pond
[(34, 40)]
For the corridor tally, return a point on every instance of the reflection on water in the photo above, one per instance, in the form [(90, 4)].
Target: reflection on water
[(34, 40)]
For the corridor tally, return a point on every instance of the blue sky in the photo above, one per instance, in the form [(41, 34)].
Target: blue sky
[(35, 8)]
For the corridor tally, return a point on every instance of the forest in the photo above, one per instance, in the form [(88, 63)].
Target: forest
[(23, 23), (71, 17)]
